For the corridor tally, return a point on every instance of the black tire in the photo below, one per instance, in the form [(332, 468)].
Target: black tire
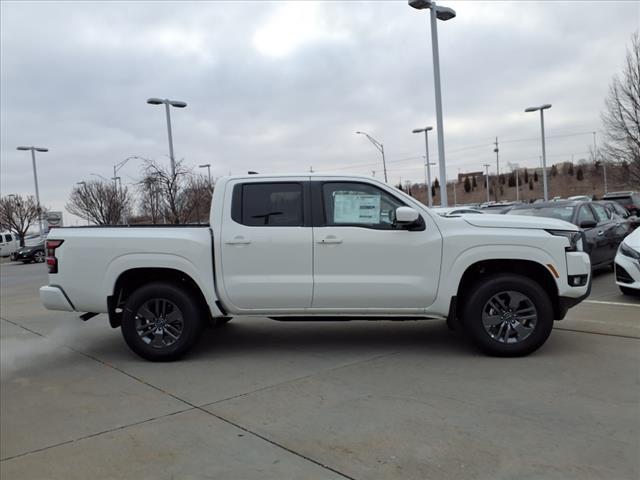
[(629, 291), (476, 304), (173, 297)]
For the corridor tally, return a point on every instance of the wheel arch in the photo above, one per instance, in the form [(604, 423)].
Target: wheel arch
[(528, 268), (129, 280)]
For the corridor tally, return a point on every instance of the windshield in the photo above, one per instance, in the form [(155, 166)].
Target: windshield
[(561, 213)]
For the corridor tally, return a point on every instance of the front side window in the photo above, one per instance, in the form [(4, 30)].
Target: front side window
[(271, 204), (585, 214), (358, 204), (9, 238), (601, 213)]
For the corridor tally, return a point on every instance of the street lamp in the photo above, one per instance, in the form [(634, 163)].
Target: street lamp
[(444, 14), (35, 179), (208, 167), (380, 147), (542, 108), (427, 163), (167, 103)]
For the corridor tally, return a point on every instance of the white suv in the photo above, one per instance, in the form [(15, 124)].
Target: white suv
[(627, 264)]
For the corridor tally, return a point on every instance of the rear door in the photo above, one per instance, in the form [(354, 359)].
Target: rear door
[(266, 245), (608, 239), (363, 262)]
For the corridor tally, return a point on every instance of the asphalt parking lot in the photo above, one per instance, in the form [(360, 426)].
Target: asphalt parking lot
[(363, 400)]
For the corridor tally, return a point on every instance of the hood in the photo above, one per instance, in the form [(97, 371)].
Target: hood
[(633, 239), (518, 221)]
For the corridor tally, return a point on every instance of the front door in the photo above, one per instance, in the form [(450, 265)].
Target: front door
[(362, 260), (266, 246)]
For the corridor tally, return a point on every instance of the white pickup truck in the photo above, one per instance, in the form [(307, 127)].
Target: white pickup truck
[(321, 247)]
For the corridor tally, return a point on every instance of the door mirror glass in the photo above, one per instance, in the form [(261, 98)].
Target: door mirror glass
[(406, 215), (588, 224)]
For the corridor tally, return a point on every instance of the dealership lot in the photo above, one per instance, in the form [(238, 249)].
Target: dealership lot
[(264, 399)]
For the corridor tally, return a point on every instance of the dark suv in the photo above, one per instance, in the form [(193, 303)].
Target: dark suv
[(629, 200)]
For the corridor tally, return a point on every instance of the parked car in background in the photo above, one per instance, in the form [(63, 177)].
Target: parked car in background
[(30, 253), (586, 198), (454, 211), (498, 207), (627, 265), (9, 243), (618, 210), (602, 233), (629, 200)]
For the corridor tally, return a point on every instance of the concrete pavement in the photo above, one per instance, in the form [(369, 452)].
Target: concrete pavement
[(263, 399)]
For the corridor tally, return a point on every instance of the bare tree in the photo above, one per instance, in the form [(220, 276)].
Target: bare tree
[(172, 189), (199, 192), (100, 202), (151, 203), (621, 117), (18, 214)]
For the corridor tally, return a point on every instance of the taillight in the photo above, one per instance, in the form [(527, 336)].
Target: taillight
[(52, 261)]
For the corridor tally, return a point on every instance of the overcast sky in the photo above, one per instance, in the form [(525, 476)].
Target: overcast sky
[(282, 86)]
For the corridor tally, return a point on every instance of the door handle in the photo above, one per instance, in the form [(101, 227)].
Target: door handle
[(600, 232), (331, 239), (238, 240)]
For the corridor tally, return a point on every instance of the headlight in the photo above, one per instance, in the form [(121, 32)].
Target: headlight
[(575, 239), (629, 252)]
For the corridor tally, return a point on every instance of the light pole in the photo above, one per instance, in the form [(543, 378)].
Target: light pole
[(497, 152), (486, 167), (427, 164), (380, 147), (167, 103), (542, 108), (208, 167), (35, 179), (595, 159), (444, 14)]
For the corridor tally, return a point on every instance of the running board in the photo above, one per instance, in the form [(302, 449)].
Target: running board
[(88, 315), (319, 318)]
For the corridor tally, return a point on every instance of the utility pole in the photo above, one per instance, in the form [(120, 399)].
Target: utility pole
[(486, 167), (496, 150), (455, 198), (311, 169)]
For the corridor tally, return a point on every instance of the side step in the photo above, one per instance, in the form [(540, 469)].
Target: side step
[(88, 315), (319, 318)]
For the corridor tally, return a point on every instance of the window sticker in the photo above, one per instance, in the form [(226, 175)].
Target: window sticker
[(356, 207)]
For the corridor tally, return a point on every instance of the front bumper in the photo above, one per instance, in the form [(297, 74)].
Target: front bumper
[(627, 272), (565, 303), (54, 298)]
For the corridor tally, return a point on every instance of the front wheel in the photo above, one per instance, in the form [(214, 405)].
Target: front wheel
[(161, 321), (507, 315)]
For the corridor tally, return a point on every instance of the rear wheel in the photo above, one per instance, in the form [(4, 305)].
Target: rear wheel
[(161, 321), (507, 315)]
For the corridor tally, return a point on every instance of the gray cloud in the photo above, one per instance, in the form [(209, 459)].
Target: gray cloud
[(279, 87)]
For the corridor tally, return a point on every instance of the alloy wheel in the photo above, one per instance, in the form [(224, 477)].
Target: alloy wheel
[(509, 317)]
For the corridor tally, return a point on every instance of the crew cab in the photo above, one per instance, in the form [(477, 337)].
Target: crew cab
[(321, 247)]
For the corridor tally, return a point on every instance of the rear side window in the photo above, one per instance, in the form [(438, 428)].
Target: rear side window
[(268, 205), (9, 238)]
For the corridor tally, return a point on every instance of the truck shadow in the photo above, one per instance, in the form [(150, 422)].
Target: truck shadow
[(244, 335)]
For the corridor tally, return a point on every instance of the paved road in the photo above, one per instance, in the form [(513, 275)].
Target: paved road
[(361, 400)]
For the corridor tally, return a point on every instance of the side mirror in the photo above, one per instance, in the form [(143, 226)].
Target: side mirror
[(406, 215), (587, 224)]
